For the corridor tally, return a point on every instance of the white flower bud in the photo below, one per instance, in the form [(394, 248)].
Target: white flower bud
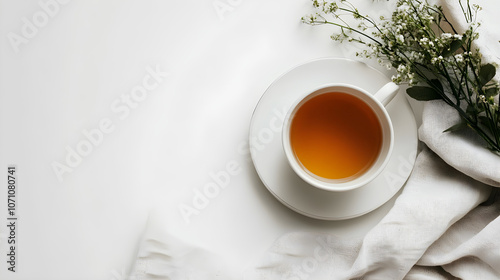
[(400, 39)]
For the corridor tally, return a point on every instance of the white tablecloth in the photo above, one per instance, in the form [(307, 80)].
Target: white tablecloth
[(110, 109)]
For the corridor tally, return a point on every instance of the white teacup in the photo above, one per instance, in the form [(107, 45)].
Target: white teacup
[(376, 103)]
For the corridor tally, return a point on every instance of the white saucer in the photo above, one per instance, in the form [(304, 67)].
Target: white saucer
[(277, 175)]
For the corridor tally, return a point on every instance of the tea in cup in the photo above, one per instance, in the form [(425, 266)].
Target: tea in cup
[(339, 137)]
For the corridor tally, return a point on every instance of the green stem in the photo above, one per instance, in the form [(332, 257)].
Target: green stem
[(491, 120), (353, 30), (354, 12)]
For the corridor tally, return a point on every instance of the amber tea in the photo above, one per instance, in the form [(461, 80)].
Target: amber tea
[(336, 135)]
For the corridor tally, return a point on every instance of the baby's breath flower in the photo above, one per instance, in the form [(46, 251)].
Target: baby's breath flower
[(409, 41), (400, 39), (446, 36), (436, 60)]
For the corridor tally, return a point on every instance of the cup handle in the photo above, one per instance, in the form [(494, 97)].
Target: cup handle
[(386, 93)]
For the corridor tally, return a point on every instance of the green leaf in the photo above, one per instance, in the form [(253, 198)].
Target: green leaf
[(475, 109), (461, 125), (471, 110), (437, 84), (422, 93), (486, 73), (491, 92), (486, 122), (454, 46)]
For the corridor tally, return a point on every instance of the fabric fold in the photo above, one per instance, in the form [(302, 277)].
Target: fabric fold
[(164, 256), (464, 150), (434, 199)]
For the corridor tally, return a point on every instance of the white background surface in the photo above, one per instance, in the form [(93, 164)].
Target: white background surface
[(66, 78)]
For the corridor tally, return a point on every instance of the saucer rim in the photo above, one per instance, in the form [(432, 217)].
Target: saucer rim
[(285, 202)]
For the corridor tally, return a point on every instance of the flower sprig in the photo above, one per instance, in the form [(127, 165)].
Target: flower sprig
[(428, 54)]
